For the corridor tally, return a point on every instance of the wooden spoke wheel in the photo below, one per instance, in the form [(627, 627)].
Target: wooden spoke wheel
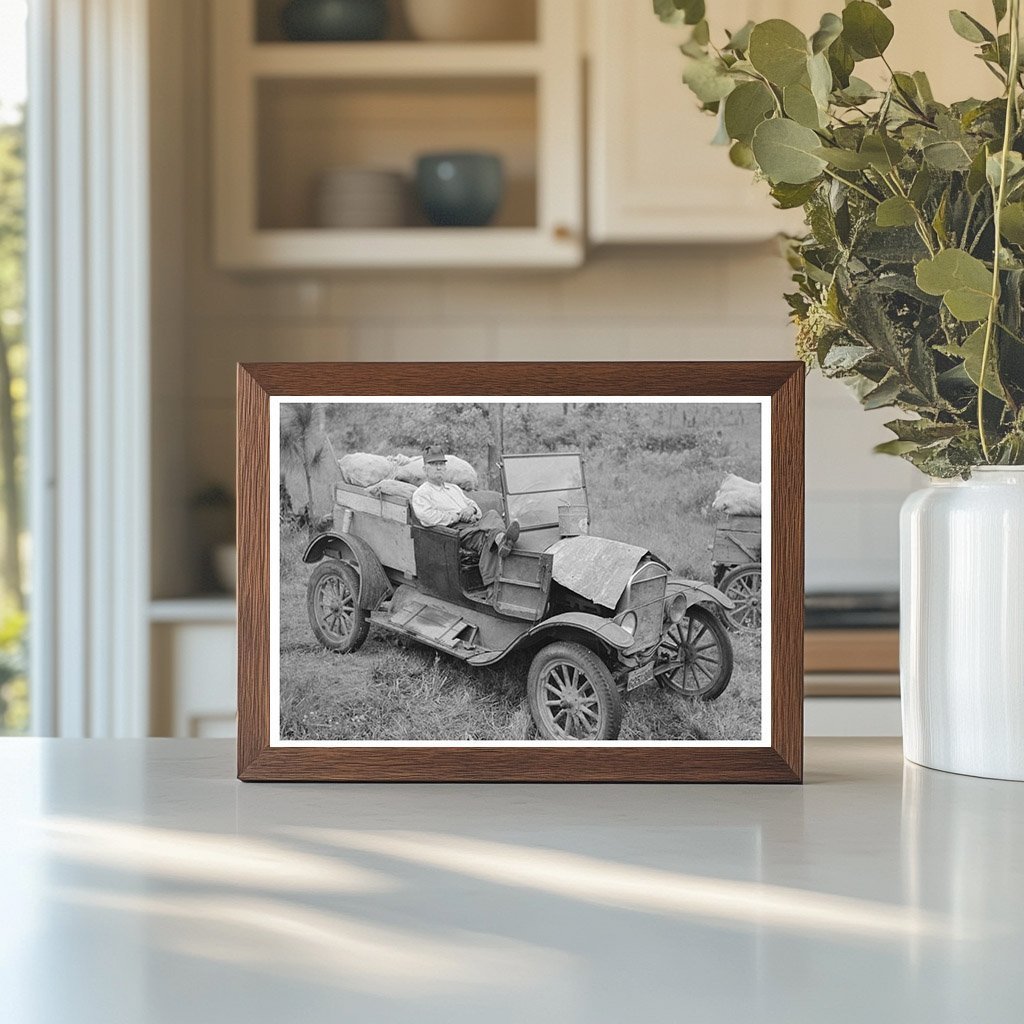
[(695, 656), (332, 603), (572, 694), (742, 586)]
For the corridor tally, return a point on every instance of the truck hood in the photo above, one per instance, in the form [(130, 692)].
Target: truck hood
[(596, 568)]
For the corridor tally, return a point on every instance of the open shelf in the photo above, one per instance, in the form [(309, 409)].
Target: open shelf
[(308, 127), (520, 17), (288, 113), (393, 60)]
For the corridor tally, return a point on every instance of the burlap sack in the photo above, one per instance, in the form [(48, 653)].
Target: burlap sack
[(395, 488), (738, 497), (363, 470), (457, 471)]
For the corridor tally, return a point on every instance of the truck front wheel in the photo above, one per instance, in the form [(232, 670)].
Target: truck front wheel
[(572, 694)]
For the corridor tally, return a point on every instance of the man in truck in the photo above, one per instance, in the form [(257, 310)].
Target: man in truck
[(439, 503)]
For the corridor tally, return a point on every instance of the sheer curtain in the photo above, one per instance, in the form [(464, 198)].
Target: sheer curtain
[(88, 301)]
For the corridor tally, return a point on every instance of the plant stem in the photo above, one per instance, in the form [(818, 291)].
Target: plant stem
[(993, 309), (922, 225), (855, 187)]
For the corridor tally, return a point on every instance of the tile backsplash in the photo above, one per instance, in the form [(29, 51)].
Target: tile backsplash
[(670, 302), (715, 302)]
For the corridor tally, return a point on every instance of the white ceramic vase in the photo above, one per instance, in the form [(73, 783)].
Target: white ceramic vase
[(962, 624)]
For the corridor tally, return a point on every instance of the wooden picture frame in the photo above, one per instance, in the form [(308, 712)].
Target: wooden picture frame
[(777, 757)]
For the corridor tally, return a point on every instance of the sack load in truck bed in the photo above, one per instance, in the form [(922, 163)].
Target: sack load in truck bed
[(384, 520)]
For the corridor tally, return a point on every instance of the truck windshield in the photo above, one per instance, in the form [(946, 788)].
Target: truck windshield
[(536, 485)]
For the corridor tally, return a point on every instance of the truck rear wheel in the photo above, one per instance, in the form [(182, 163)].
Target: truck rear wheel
[(572, 694), (332, 601)]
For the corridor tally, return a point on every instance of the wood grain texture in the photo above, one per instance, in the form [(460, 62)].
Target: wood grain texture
[(781, 762), (852, 650)]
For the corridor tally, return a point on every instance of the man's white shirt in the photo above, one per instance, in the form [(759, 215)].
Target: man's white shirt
[(441, 504)]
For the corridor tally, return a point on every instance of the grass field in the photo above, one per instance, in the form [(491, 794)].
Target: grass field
[(398, 691)]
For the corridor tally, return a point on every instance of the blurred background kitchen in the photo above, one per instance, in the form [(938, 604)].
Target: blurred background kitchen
[(245, 180)]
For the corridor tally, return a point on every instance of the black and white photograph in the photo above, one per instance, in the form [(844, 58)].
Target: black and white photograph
[(459, 571)]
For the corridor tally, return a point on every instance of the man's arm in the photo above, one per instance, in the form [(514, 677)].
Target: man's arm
[(428, 513), (464, 501)]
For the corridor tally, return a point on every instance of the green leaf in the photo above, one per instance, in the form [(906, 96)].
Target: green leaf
[(841, 60), (676, 12), (1012, 224), (820, 75), (994, 167), (778, 50), (739, 41), (785, 152), (971, 352), (924, 88), (866, 29), (976, 175), (968, 28), (830, 29), (844, 159), (896, 212), (939, 220), (895, 447), (800, 105), (708, 81), (885, 394), (923, 431), (963, 281), (883, 153), (906, 88), (742, 155), (946, 156), (745, 108), (858, 91), (789, 197), (921, 186)]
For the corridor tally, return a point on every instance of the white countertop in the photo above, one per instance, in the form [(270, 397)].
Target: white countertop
[(143, 884)]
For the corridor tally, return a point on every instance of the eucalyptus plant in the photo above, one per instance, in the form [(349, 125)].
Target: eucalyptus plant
[(911, 276)]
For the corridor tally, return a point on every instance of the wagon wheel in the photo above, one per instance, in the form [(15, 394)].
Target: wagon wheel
[(743, 587), (332, 603), (695, 656), (572, 694)]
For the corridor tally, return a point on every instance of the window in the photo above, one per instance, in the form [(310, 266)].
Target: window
[(14, 705)]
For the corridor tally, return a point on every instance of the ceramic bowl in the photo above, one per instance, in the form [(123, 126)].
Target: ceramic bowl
[(460, 189), (334, 20), (358, 197)]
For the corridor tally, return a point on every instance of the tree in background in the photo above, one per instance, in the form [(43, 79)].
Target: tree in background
[(12, 350), (13, 410), (304, 443)]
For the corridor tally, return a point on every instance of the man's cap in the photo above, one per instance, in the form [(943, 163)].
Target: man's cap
[(434, 453)]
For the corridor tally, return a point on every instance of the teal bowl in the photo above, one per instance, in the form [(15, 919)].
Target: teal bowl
[(460, 190), (334, 21)]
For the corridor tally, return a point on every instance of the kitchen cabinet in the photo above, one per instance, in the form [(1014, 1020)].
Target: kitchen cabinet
[(286, 113), (653, 175), (192, 649)]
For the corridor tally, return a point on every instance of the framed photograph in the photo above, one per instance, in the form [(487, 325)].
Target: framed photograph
[(519, 572)]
